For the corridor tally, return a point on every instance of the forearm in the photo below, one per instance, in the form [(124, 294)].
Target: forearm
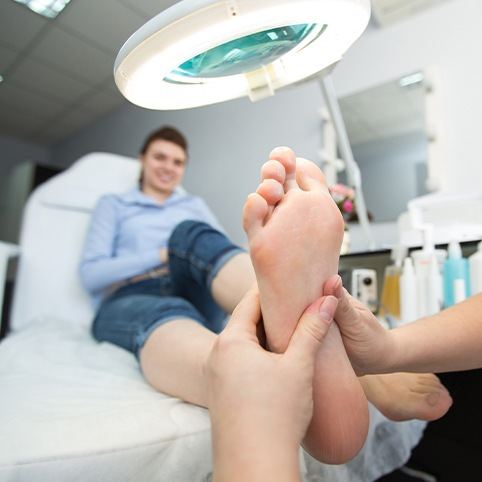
[(242, 452), (448, 341), (99, 273)]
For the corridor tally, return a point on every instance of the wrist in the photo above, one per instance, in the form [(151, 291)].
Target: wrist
[(391, 355), (244, 452), (257, 431), (383, 358)]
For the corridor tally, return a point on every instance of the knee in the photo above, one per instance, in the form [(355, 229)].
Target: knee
[(185, 232)]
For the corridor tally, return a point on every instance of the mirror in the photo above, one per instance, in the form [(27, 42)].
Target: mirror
[(386, 128)]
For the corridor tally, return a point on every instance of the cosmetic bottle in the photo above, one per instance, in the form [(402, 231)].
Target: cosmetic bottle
[(475, 268), (408, 293), (456, 276), (390, 298), (426, 278)]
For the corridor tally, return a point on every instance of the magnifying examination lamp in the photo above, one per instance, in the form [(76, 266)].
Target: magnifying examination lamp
[(201, 52)]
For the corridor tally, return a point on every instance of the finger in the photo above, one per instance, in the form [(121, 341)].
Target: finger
[(333, 286), (247, 314), (346, 316), (312, 328)]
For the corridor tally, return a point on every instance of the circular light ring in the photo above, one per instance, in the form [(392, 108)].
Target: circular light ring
[(145, 69)]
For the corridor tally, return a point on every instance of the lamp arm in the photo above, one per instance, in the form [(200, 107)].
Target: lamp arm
[(353, 171)]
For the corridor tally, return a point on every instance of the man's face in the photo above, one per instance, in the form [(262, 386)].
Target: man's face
[(163, 166)]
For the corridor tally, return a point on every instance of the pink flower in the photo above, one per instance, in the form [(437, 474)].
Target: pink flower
[(342, 190), (348, 206)]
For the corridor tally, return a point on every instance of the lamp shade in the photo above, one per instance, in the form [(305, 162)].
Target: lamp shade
[(201, 52)]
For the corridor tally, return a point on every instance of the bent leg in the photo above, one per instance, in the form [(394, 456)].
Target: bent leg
[(166, 333)]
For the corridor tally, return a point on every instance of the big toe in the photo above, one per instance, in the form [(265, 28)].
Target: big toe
[(254, 214), (437, 404), (309, 176), (286, 157)]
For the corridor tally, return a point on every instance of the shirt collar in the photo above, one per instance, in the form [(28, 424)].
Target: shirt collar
[(136, 196)]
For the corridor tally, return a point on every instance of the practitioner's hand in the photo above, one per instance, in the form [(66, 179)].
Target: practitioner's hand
[(368, 345), (261, 403)]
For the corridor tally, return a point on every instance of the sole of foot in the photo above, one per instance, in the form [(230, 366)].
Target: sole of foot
[(295, 232)]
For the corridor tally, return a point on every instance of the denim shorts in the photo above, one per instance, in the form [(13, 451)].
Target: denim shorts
[(196, 254)]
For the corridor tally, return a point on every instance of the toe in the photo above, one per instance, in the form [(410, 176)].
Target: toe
[(271, 190), (254, 213), (273, 170), (438, 404), (286, 157), (309, 176)]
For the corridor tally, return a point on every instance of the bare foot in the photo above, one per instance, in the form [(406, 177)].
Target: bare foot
[(407, 396), (295, 232)]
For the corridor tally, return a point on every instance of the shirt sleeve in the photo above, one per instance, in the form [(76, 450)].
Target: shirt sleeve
[(99, 267)]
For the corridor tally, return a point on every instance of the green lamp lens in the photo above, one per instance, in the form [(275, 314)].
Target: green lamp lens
[(246, 53)]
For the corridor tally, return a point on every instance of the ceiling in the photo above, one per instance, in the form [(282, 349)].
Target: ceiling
[(384, 111), (387, 12), (58, 72)]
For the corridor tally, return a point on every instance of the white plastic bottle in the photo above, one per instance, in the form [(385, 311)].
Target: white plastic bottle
[(408, 293), (475, 266), (425, 276)]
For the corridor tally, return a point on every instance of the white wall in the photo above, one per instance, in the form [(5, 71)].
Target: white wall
[(229, 142), (393, 171), (449, 37)]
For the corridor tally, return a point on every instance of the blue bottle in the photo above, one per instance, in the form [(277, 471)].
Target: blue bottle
[(456, 276)]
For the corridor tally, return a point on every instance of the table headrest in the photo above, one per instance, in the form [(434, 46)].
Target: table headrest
[(93, 175)]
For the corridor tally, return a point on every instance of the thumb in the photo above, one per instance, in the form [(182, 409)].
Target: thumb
[(346, 316), (312, 328), (246, 315)]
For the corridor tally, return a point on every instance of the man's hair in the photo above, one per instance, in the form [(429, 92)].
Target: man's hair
[(165, 133)]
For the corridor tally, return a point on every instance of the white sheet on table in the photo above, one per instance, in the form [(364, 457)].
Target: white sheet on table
[(72, 409)]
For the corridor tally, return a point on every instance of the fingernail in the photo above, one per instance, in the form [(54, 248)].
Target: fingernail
[(328, 308), (433, 398)]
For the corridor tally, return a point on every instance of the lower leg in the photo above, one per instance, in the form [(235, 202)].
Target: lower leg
[(232, 281), (173, 357)]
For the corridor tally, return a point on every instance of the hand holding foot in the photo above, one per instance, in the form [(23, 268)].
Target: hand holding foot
[(295, 232), (399, 396), (261, 403), (368, 344)]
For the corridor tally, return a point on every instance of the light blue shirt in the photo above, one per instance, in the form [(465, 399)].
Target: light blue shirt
[(127, 232)]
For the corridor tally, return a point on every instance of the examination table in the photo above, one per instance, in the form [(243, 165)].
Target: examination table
[(73, 409)]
